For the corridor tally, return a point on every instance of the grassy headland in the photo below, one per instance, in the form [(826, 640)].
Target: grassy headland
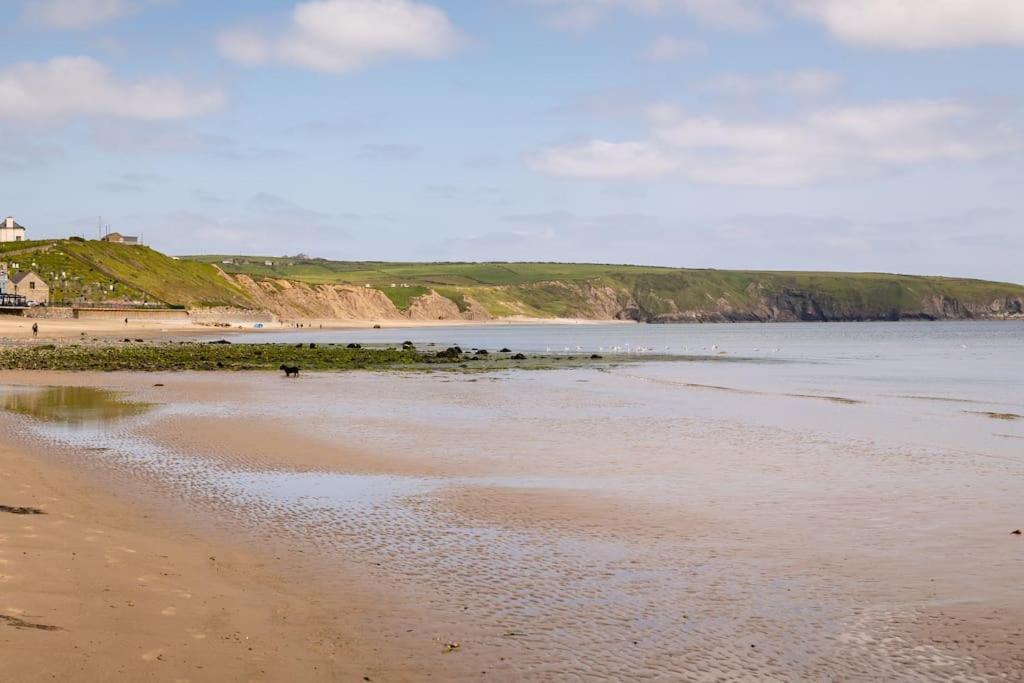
[(311, 288), (649, 293)]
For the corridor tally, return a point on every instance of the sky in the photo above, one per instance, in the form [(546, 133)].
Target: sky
[(864, 135)]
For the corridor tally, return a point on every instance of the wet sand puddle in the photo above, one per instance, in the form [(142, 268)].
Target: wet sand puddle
[(672, 588)]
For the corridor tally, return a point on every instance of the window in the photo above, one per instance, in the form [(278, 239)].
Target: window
[(18, 238), (31, 285)]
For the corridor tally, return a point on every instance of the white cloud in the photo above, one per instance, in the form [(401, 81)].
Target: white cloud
[(602, 159), (65, 87), (919, 24), (805, 82), (341, 36), (670, 49), (579, 15), (79, 14), (815, 146)]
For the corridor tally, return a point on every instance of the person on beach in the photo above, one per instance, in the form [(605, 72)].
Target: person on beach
[(126, 321), (35, 330)]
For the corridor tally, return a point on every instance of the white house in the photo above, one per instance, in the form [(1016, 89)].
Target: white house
[(10, 231)]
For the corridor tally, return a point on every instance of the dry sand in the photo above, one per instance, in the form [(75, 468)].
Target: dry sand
[(18, 329), (99, 589)]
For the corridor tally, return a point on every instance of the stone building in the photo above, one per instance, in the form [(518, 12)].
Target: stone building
[(118, 238), (30, 286)]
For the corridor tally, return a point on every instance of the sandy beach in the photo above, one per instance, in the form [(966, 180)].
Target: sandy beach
[(617, 523), (15, 329)]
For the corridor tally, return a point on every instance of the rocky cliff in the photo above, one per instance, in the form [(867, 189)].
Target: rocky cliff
[(288, 299), (678, 296)]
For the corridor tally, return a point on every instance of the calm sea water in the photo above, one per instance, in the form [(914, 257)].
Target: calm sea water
[(981, 361)]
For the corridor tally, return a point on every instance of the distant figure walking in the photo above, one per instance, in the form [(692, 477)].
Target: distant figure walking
[(35, 330), (126, 321)]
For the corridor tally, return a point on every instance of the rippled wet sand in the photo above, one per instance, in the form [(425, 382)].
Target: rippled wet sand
[(588, 524)]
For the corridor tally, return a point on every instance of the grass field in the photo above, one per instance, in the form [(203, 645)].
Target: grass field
[(382, 274)]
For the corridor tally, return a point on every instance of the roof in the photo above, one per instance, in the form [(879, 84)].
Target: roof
[(13, 224), (116, 236), (17, 279)]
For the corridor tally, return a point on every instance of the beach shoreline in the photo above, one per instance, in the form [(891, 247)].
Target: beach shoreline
[(322, 589), (15, 329)]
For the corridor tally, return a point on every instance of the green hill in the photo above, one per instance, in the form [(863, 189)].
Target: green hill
[(300, 287), (96, 272), (647, 293)]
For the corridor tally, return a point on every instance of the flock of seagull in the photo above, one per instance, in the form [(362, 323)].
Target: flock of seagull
[(629, 348)]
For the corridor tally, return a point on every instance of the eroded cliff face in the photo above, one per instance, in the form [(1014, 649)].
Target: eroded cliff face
[(602, 301), (805, 306), (288, 299)]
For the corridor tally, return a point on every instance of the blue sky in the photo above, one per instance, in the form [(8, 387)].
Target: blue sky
[(882, 135)]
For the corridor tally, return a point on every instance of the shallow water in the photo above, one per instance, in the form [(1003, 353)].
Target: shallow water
[(799, 519), (75, 406)]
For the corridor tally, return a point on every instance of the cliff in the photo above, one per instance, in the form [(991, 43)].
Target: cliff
[(80, 271)]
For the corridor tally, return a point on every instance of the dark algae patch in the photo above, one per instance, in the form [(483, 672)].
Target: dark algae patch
[(19, 623), (16, 510), (171, 356), (1009, 417)]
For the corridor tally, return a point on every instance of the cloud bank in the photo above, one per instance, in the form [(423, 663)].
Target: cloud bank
[(342, 36), (814, 146), (66, 87)]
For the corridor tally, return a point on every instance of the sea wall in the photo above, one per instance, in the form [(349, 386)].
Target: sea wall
[(135, 314)]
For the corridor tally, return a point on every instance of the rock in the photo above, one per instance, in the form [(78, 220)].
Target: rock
[(483, 352), (1017, 532), (219, 341), (376, 327), (596, 356), (450, 352), (354, 346), (519, 356), (312, 345), (505, 351)]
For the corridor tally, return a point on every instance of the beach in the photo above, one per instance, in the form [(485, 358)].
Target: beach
[(777, 519)]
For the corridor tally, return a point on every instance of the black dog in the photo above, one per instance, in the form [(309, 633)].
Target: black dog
[(290, 370)]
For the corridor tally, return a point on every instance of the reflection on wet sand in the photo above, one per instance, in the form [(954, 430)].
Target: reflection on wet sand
[(71, 405)]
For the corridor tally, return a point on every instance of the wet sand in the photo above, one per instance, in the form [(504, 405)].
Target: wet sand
[(571, 524), (101, 587)]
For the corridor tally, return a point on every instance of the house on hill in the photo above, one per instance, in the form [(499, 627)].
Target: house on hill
[(118, 238), (30, 286), (10, 231)]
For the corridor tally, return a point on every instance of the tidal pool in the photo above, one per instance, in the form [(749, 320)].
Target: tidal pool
[(71, 406)]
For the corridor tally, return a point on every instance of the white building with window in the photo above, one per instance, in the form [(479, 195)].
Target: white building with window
[(10, 231)]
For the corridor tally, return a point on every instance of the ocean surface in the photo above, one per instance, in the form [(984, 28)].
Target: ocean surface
[(981, 361), (813, 501)]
